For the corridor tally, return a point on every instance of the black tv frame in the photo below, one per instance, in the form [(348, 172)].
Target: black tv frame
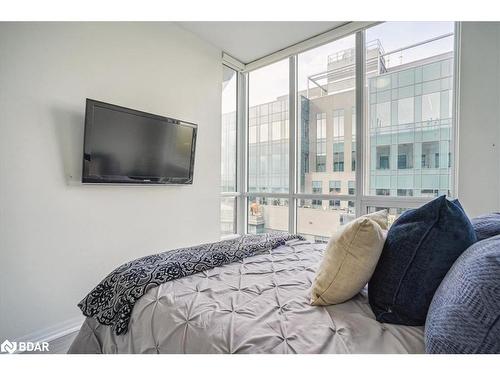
[(87, 179)]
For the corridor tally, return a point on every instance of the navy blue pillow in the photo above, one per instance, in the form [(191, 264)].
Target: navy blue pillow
[(464, 316), (486, 226), (420, 248)]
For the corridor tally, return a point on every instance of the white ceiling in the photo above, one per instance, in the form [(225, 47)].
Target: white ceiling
[(248, 41)]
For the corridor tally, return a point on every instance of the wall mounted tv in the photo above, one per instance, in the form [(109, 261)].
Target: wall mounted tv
[(122, 145)]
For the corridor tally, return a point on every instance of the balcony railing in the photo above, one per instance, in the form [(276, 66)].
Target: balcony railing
[(433, 124), (337, 77)]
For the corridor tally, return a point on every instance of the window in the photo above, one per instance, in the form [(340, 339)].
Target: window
[(353, 139), (405, 193), (350, 205), (321, 126), (227, 216), (405, 111), (383, 114), (351, 188), (228, 141), (338, 157), (431, 193), (276, 161), (405, 156), (263, 164), (353, 156), (334, 204), (276, 131), (316, 225), (383, 192), (267, 215), (326, 98), (407, 103), (316, 189), (335, 187), (338, 123), (402, 161), (320, 163), (353, 122), (431, 109), (383, 155), (320, 142), (252, 134), (267, 110), (264, 132), (228, 151), (430, 154), (393, 212)]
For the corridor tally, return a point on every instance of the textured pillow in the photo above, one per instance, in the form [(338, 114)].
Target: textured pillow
[(464, 316), (486, 226), (420, 248), (350, 259)]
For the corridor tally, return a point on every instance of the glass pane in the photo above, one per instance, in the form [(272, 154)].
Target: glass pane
[(405, 156), (267, 215), (227, 216), (228, 141), (268, 129), (409, 74), (431, 107), (393, 213), (326, 116), (318, 219), (406, 111)]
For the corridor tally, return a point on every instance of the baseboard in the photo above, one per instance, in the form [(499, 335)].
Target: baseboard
[(54, 332)]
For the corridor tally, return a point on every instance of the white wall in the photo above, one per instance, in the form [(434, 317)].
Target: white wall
[(479, 132), (57, 237)]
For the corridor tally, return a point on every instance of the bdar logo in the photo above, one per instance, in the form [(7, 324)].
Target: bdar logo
[(24, 346), (8, 346)]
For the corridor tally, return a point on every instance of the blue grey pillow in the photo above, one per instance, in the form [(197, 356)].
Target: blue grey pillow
[(464, 316), (420, 248), (486, 226)]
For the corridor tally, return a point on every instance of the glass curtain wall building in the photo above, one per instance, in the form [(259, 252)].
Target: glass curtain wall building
[(411, 127)]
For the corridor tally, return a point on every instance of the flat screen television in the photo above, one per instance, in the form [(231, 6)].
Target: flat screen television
[(122, 145)]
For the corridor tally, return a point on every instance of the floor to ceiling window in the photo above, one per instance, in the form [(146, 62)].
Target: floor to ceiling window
[(326, 102), (308, 169), (409, 75), (228, 151), (268, 148)]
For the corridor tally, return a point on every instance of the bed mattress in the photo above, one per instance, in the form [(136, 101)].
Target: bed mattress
[(258, 305)]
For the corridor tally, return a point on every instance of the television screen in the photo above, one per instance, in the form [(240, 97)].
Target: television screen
[(122, 145)]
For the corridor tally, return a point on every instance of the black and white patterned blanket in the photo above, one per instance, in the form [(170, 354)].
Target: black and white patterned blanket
[(111, 302)]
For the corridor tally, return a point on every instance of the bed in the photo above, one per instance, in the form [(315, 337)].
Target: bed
[(257, 305)]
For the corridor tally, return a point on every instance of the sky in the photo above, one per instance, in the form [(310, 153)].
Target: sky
[(267, 83)]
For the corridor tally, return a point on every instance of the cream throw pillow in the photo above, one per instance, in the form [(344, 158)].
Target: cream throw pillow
[(350, 259)]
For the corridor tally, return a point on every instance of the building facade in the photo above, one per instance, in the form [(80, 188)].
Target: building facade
[(409, 125)]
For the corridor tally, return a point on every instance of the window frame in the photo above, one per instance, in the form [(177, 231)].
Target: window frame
[(365, 200), (236, 194), (362, 200)]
